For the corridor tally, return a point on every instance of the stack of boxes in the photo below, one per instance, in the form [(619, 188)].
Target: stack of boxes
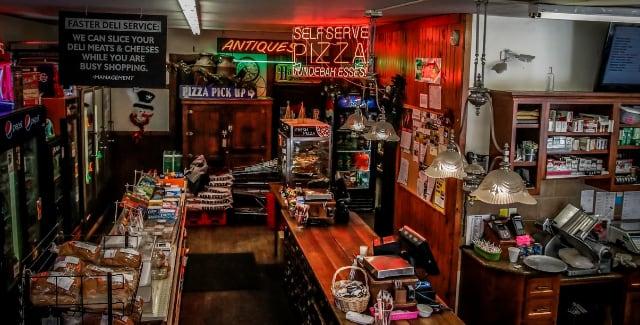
[(564, 121), (568, 166)]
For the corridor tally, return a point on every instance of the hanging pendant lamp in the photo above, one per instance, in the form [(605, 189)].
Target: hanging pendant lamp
[(449, 163), (355, 122), (382, 131), (503, 186)]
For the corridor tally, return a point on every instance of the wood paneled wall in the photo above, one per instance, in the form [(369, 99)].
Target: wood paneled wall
[(397, 46)]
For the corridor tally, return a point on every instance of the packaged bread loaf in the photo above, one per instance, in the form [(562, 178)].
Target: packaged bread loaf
[(78, 318), (85, 251), (121, 257), (95, 289), (68, 264), (54, 288), (130, 275)]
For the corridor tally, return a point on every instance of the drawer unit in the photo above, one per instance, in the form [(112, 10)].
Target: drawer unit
[(542, 287), (540, 309)]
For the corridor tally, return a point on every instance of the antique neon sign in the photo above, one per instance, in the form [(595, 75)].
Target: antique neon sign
[(255, 46), (330, 51)]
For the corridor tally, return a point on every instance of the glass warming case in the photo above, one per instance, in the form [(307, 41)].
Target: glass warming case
[(305, 152)]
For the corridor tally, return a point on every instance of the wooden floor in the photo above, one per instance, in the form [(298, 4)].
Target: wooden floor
[(264, 306)]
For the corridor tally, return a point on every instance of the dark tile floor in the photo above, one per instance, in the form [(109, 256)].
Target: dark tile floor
[(264, 305)]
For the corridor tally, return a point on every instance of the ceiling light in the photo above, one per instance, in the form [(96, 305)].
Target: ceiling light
[(449, 163), (382, 131), (478, 93), (190, 12), (607, 14), (355, 122), (503, 186)]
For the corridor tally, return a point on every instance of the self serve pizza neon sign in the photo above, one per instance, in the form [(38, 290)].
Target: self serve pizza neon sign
[(330, 51)]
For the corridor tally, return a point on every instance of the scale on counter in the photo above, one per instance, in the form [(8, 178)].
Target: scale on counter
[(627, 233)]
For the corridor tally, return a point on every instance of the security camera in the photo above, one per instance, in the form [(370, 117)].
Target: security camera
[(373, 13)]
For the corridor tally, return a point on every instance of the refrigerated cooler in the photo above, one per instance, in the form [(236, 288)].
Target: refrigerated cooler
[(355, 158), (64, 113), (27, 225)]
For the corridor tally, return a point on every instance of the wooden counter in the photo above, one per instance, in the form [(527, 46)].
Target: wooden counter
[(528, 296), (326, 249)]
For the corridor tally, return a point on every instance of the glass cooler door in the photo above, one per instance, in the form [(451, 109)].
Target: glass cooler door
[(353, 160), (33, 201), (74, 160), (10, 213), (88, 148), (56, 152)]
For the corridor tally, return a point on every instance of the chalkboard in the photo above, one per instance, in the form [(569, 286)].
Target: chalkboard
[(115, 50)]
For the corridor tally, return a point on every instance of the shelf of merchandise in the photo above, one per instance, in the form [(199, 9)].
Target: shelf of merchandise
[(578, 152), (527, 126), (524, 163), (580, 134), (603, 176), (628, 147), (507, 103)]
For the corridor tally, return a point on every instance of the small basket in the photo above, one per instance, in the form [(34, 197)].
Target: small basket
[(346, 304), (486, 255)]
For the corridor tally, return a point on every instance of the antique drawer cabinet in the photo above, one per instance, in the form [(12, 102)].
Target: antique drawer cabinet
[(228, 132)]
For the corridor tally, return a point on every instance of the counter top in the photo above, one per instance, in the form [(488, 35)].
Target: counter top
[(524, 270), (329, 248)]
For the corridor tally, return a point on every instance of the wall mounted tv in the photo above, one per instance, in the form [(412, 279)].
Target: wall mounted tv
[(620, 67)]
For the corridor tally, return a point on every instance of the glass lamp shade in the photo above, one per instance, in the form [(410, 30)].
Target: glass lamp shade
[(382, 131), (355, 122), (503, 186), (448, 164)]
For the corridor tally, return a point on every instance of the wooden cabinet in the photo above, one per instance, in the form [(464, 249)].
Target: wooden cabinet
[(524, 116), (228, 133), (632, 299)]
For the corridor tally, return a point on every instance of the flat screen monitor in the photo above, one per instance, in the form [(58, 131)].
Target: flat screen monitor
[(417, 251), (620, 67)]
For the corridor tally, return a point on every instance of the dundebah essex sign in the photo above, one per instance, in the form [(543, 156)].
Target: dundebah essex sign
[(197, 92), (116, 50)]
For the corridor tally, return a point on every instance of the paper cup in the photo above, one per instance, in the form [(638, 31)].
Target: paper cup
[(514, 253), (364, 250)]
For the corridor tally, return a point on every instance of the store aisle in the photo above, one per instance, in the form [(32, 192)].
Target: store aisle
[(233, 278)]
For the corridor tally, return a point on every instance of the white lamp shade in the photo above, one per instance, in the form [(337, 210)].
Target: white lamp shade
[(355, 122), (382, 131), (448, 164), (503, 186)]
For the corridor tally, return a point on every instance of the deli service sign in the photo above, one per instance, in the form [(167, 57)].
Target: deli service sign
[(330, 51), (115, 50)]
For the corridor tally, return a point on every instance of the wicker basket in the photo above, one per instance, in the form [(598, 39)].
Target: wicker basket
[(346, 304)]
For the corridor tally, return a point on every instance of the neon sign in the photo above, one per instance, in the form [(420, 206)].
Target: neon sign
[(330, 51), (255, 46)]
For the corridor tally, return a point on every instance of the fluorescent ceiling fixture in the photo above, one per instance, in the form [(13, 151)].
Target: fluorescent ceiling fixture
[(608, 14), (190, 11)]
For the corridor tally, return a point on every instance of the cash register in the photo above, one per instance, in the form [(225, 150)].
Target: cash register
[(625, 233), (395, 262)]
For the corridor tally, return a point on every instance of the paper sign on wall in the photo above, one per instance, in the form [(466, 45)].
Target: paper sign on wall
[(428, 70), (116, 50), (435, 95), (424, 100), (403, 173)]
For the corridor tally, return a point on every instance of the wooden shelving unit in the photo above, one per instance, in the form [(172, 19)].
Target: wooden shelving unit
[(524, 163), (506, 105), (579, 152), (580, 134)]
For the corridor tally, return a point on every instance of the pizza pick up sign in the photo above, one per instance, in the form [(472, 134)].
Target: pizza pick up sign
[(194, 92), (116, 50)]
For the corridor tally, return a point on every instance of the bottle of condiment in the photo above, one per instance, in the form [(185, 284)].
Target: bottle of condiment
[(550, 80)]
